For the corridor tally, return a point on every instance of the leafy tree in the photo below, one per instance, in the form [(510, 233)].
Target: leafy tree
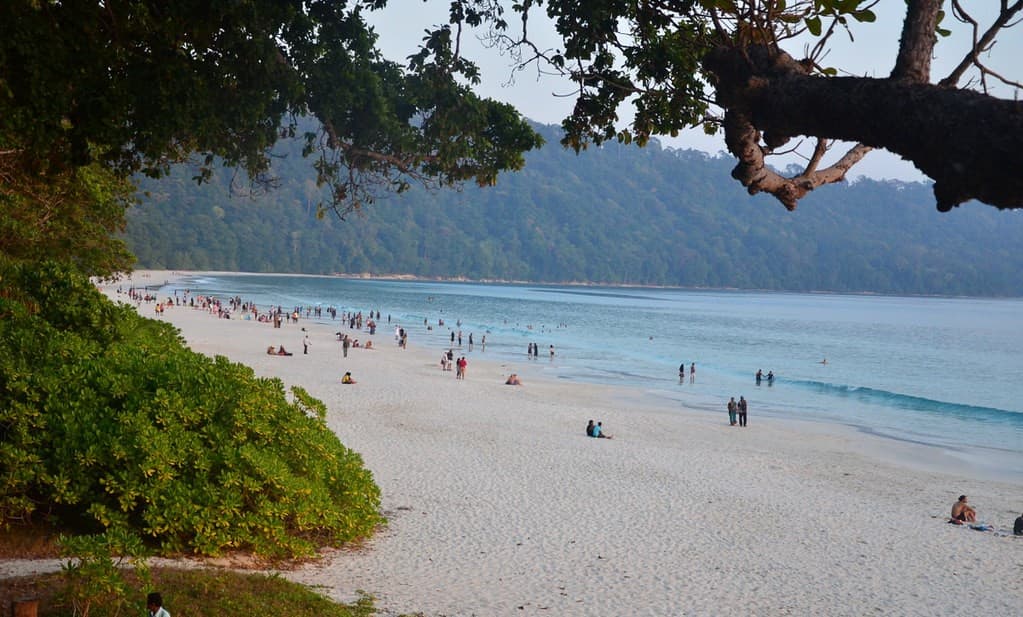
[(109, 424), (72, 215), (140, 84), (723, 63)]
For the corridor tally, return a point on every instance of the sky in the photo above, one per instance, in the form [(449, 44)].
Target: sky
[(548, 99)]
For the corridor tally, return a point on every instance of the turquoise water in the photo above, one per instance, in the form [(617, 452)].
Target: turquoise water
[(939, 371)]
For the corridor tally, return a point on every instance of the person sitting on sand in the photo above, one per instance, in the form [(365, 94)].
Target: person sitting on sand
[(513, 380), (1017, 528), (270, 351), (347, 378), (598, 431), (281, 351), (962, 512), (589, 429), (369, 345)]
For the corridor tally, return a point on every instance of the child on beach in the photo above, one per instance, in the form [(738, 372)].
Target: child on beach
[(154, 605), (598, 431)]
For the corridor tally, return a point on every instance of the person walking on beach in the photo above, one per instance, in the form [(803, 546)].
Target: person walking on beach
[(345, 344), (732, 410), (305, 344), (470, 341), (742, 411), (552, 352)]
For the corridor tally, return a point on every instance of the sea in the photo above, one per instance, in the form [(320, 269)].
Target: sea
[(940, 372)]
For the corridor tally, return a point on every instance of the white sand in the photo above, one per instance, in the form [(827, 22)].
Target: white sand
[(499, 505)]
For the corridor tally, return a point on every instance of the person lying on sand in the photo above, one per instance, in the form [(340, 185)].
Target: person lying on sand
[(513, 380), (962, 512)]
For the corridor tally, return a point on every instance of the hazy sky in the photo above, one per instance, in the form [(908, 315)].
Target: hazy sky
[(548, 99)]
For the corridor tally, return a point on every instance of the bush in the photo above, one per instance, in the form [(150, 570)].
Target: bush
[(108, 422)]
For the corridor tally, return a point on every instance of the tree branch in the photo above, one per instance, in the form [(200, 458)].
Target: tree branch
[(981, 44), (916, 46)]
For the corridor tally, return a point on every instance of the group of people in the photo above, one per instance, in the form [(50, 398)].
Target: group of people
[(682, 372), (280, 351), (737, 411), (965, 514), (760, 377), (533, 351), (513, 380), (596, 430)]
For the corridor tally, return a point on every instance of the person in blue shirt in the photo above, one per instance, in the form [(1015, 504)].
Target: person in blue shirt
[(598, 431)]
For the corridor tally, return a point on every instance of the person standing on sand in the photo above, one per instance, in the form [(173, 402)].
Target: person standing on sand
[(305, 344), (682, 373), (742, 411), (345, 344), (732, 409), (692, 373)]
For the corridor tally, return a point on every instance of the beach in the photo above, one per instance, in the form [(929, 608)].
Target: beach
[(498, 504)]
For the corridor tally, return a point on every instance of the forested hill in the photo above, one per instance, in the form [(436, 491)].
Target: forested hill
[(617, 215)]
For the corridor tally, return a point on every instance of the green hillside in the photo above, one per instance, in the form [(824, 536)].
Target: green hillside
[(617, 215)]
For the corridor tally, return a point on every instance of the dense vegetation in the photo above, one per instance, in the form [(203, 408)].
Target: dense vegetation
[(108, 424), (614, 214), (196, 593)]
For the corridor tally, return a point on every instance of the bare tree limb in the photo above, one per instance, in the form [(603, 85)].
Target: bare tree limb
[(981, 44)]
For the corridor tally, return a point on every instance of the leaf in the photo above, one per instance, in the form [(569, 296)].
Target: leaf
[(813, 24)]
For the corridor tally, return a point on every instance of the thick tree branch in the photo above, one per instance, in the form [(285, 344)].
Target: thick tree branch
[(969, 143)]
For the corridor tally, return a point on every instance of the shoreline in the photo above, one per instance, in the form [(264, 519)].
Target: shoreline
[(498, 504), (969, 460), (439, 279)]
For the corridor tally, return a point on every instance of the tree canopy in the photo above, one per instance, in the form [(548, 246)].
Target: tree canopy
[(135, 86), (724, 64)]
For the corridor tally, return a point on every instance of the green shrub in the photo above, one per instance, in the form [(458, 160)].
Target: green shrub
[(108, 422)]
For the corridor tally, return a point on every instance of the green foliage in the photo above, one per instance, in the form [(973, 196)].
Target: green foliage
[(147, 83), (196, 593), (71, 216), (109, 423), (94, 579), (612, 215)]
